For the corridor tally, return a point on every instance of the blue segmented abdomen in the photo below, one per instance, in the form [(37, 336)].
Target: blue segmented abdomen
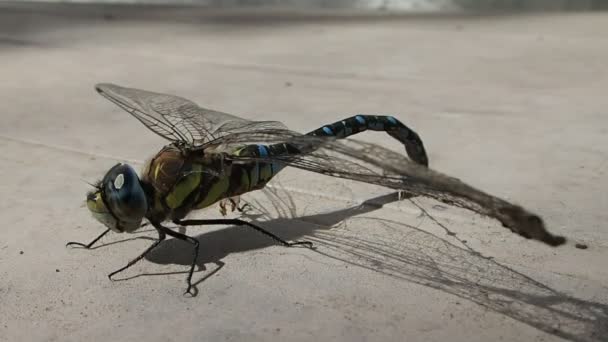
[(358, 123), (389, 124), (259, 172), (264, 151)]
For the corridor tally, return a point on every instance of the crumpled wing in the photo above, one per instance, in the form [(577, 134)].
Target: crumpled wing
[(373, 164), (177, 119)]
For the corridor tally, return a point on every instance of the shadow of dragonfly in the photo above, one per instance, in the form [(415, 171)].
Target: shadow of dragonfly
[(405, 253)]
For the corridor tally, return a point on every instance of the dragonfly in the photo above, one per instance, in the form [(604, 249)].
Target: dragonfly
[(216, 157)]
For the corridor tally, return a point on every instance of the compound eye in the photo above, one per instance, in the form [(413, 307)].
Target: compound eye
[(124, 194)]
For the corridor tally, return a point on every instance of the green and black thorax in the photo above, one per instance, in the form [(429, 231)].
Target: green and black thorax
[(179, 179)]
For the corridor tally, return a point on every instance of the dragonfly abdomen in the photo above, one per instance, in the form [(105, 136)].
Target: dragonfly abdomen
[(240, 179), (257, 173), (389, 124)]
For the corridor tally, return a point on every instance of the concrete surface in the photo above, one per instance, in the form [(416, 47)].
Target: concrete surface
[(514, 105)]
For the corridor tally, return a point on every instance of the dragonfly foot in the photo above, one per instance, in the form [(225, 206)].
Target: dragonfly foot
[(90, 244), (77, 244), (233, 202), (191, 290), (223, 209), (242, 208)]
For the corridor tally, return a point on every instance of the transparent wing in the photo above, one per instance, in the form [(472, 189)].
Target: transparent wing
[(373, 164), (177, 119)]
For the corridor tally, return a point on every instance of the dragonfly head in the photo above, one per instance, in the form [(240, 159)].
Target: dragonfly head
[(119, 201)]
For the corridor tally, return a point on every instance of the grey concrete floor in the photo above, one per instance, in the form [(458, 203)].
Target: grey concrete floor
[(512, 104)]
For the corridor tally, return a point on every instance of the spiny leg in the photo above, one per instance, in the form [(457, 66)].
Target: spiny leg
[(161, 237), (196, 247), (90, 244), (238, 222), (396, 129)]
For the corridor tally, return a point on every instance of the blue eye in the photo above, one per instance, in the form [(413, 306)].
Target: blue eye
[(124, 194)]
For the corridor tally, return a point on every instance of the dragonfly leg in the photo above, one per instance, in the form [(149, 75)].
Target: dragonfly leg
[(161, 237), (238, 222), (393, 127), (243, 208), (223, 209), (235, 201), (90, 244), (196, 247), (234, 205)]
